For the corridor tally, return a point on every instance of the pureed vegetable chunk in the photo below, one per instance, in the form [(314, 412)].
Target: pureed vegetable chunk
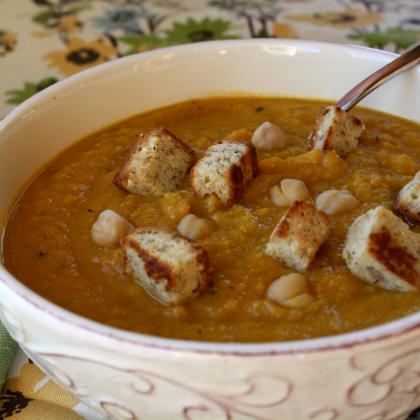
[(50, 226)]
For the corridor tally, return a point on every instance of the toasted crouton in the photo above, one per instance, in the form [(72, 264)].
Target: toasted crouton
[(171, 268), (381, 249), (298, 236), (337, 130), (407, 201), (157, 163), (224, 170)]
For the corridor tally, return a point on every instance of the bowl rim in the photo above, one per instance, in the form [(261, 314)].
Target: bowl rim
[(57, 313)]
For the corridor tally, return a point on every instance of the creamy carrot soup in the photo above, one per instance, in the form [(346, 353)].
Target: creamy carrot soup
[(48, 246)]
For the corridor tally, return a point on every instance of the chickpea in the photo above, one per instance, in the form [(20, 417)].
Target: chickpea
[(336, 201), (109, 228), (294, 190), (193, 227), (278, 197), (288, 288), (268, 136)]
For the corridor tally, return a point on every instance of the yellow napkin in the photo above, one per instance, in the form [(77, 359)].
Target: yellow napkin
[(29, 394)]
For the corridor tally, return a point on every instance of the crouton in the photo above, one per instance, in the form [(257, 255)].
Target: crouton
[(224, 170), (337, 130), (407, 201), (298, 236), (170, 268), (157, 163), (381, 249)]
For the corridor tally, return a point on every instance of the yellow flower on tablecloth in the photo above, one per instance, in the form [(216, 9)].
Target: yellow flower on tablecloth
[(282, 30), (33, 396), (67, 24), (55, 22), (80, 55), (349, 18), (70, 23), (7, 42)]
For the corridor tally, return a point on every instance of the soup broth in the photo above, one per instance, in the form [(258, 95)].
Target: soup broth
[(47, 241)]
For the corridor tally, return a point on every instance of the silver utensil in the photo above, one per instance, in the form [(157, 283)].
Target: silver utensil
[(407, 60)]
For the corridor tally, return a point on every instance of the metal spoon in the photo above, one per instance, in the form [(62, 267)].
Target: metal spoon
[(407, 60)]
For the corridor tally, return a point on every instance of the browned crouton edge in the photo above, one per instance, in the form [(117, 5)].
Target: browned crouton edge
[(121, 177), (236, 184), (298, 209), (330, 132), (159, 270), (394, 258)]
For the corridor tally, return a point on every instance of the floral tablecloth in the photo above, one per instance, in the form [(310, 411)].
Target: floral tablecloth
[(43, 41)]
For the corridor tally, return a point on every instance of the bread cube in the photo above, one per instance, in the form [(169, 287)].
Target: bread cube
[(337, 130), (298, 236), (224, 170), (381, 249), (157, 163), (407, 201), (170, 268)]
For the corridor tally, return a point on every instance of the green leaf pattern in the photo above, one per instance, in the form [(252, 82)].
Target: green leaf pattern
[(15, 97)]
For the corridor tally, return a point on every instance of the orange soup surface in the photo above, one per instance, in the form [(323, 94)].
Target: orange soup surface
[(48, 245)]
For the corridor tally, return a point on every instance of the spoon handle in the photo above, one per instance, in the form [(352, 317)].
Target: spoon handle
[(409, 59)]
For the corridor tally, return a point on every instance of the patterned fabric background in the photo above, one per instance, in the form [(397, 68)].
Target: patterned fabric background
[(43, 41)]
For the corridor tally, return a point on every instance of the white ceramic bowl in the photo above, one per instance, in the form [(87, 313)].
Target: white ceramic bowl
[(370, 374)]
